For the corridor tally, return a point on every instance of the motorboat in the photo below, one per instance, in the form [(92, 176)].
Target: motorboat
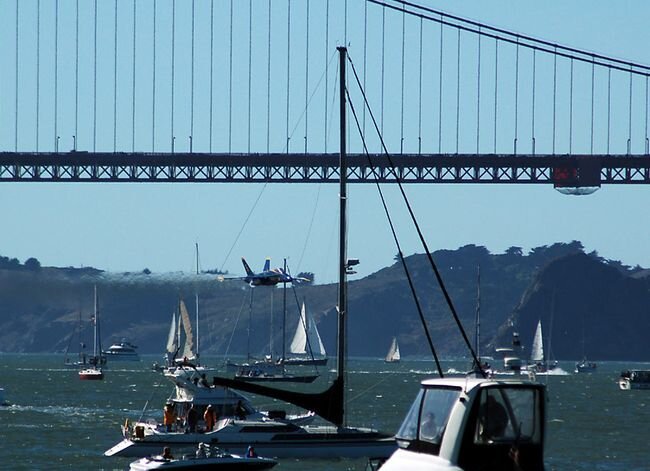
[(473, 424), (122, 351), (512, 356), (204, 458), (3, 402), (585, 366), (634, 379), (191, 389), (91, 373)]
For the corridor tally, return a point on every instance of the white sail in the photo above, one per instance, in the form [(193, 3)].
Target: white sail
[(306, 331), (171, 338), (188, 348), (537, 350), (393, 351)]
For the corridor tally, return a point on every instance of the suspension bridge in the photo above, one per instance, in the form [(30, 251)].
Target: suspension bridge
[(224, 91)]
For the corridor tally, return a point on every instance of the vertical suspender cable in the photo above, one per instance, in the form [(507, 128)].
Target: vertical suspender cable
[(211, 109), (571, 110), (365, 59), (250, 65), (153, 84), (171, 117), (478, 93), (288, 67), (307, 78), (554, 95), (38, 66), (458, 93), (383, 63), (16, 109), (419, 95), (76, 81), (327, 32), (647, 143), (56, 75), (135, 22), (192, 84), (440, 91), (401, 145), (532, 130), (115, 83), (230, 86), (593, 71), (496, 89), (609, 106), (629, 134), (95, 82), (268, 87), (516, 97)]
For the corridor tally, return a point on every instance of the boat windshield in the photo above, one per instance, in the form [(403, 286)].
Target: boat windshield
[(425, 423)]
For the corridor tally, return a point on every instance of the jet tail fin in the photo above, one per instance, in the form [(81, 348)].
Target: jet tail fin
[(267, 265), (249, 272)]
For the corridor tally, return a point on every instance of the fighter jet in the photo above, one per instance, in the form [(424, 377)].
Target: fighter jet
[(268, 276)]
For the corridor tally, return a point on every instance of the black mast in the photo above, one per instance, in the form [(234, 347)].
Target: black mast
[(328, 404)]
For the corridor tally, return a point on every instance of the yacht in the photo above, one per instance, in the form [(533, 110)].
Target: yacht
[(122, 351)]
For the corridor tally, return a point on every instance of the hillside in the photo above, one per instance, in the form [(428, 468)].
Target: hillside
[(41, 307)]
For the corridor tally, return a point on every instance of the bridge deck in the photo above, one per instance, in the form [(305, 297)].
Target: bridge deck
[(559, 170)]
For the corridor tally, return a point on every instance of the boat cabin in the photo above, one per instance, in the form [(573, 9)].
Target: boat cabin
[(473, 424)]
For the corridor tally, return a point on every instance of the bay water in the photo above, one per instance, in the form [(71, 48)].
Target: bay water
[(56, 421)]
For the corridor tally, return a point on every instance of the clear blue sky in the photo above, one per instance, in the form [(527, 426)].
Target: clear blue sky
[(127, 227)]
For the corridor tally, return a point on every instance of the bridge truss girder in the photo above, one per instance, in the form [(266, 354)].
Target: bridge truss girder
[(559, 170)]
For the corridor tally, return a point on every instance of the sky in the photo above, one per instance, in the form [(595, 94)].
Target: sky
[(129, 227)]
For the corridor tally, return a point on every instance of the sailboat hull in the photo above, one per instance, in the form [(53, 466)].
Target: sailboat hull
[(306, 361)]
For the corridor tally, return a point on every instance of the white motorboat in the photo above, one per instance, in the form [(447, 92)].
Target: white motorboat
[(472, 424), (634, 379), (585, 366), (273, 436), (122, 351), (204, 458)]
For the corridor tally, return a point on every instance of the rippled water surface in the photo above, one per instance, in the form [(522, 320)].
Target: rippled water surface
[(57, 421)]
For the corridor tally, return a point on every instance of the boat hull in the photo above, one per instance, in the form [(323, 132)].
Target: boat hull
[(221, 463), (91, 374), (350, 444), (279, 378), (306, 361)]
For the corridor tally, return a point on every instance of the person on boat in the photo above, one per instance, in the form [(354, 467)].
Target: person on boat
[(240, 411), (429, 428), (167, 453), (169, 416), (203, 381), (209, 418), (250, 452), (192, 419), (493, 419), (201, 451)]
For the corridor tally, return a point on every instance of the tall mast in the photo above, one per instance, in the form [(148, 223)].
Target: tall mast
[(342, 304), (477, 344), (196, 300)]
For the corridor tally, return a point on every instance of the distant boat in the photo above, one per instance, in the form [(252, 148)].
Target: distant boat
[(122, 351), (538, 362), (3, 402), (393, 355), (94, 369), (585, 366), (306, 343), (634, 379)]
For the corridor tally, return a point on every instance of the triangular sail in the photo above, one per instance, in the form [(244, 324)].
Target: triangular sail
[(537, 350), (188, 348), (393, 351), (307, 333), (172, 345)]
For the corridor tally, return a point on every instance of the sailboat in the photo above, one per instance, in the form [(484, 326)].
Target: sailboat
[(537, 360), (306, 345), (94, 370), (393, 355), (279, 438)]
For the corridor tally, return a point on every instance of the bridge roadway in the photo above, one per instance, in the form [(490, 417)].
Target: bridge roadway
[(559, 170)]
